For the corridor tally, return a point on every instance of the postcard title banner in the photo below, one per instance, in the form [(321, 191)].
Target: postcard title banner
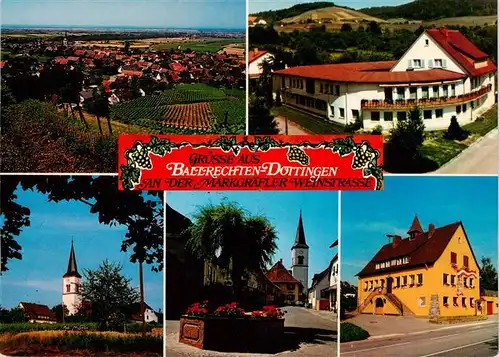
[(239, 162)]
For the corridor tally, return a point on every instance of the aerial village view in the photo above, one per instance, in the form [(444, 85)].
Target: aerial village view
[(173, 69), (421, 70), (251, 273), (419, 274), (79, 275)]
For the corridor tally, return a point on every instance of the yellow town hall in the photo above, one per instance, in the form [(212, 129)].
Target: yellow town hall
[(427, 274)]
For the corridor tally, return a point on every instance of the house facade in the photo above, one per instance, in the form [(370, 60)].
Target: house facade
[(442, 73), (256, 58), (36, 313), (428, 274), (291, 289), (322, 295), (149, 314)]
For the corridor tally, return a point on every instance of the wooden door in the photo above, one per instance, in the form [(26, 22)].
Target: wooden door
[(379, 306), (489, 307)]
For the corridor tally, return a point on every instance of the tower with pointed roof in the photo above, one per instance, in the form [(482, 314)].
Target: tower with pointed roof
[(415, 228), (72, 282), (300, 256)]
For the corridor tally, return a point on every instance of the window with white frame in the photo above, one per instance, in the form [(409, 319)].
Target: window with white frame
[(417, 63), (438, 63)]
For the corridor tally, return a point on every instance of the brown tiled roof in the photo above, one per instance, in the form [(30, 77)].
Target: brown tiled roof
[(256, 54), (369, 72), (279, 274), (421, 250), (38, 312)]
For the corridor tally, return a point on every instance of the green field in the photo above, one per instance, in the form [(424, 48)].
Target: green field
[(199, 46), (149, 111)]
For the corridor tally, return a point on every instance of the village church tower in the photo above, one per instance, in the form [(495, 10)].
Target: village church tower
[(72, 282), (300, 256)]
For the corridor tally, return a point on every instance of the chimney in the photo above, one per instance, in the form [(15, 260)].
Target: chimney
[(432, 229), (444, 31), (255, 50), (395, 241)]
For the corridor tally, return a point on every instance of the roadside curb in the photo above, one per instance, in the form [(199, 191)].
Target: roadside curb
[(431, 330), (489, 134)]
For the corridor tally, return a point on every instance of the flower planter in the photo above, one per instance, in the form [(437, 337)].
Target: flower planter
[(229, 334)]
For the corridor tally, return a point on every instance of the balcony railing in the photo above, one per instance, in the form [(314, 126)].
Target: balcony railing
[(424, 102)]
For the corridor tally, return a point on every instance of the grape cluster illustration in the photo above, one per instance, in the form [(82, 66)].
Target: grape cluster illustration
[(298, 155), (362, 157), (139, 155)]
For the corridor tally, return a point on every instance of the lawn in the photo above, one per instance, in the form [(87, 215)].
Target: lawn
[(199, 46), (307, 121), (442, 150), (483, 125)]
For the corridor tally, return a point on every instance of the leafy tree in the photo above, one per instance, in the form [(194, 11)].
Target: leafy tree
[(17, 315), (374, 27), (348, 298), (58, 312), (141, 213), (488, 275), (218, 234), (403, 147), (346, 28), (260, 121), (109, 294)]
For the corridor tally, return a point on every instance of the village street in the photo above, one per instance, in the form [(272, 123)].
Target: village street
[(471, 339), (308, 333), (480, 158)]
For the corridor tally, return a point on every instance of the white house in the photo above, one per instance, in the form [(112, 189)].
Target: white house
[(323, 292), (255, 60), (442, 73), (149, 314)]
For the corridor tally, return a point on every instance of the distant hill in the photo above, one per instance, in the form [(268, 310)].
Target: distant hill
[(432, 9), (277, 15), (332, 14)]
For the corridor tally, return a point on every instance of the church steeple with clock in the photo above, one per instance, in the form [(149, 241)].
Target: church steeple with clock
[(300, 256)]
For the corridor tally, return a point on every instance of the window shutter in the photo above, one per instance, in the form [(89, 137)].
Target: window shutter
[(430, 63), (409, 63), (422, 63), (444, 63)]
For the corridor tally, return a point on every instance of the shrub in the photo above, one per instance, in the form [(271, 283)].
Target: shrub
[(26, 327), (377, 130), (353, 127), (137, 328), (351, 332), (455, 132)]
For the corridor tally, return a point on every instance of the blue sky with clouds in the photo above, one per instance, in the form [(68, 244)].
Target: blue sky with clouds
[(46, 245), (319, 215), (220, 14), (263, 5), (368, 216)]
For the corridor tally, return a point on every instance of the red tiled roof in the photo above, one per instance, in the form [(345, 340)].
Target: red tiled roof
[(279, 274), (177, 67), (38, 312), (79, 52), (369, 72), (256, 54), (462, 50), (131, 73), (424, 249), (61, 60)]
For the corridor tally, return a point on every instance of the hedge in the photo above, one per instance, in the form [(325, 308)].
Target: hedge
[(351, 332)]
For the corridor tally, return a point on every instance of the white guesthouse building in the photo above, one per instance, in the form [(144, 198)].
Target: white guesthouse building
[(442, 73)]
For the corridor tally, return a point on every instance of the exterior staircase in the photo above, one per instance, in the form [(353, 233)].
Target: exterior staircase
[(402, 308), (367, 300)]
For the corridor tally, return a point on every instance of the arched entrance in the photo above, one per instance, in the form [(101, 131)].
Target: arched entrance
[(379, 306)]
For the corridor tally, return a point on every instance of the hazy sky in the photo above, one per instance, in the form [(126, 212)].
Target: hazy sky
[(221, 14), (46, 245), (368, 216), (263, 5), (319, 216)]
